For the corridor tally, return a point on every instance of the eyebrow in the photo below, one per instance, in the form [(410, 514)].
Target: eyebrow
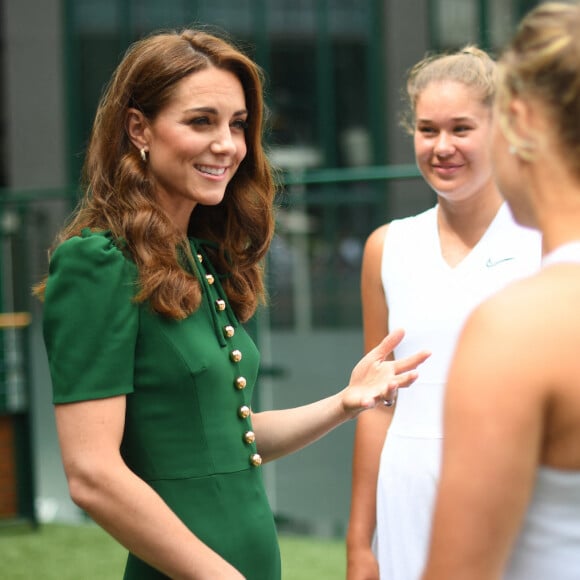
[(454, 119), (214, 111)]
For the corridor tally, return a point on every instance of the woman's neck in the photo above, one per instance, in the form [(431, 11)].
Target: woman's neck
[(462, 224)]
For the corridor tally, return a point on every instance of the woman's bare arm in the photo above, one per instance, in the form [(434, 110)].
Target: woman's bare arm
[(373, 380), (100, 482), (371, 428)]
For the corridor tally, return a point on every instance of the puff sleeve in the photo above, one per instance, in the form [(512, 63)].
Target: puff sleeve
[(90, 322)]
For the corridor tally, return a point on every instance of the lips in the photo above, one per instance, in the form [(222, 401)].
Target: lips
[(447, 166), (447, 169), (209, 170)]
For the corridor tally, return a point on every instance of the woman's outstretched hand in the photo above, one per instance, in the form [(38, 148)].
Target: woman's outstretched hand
[(375, 380)]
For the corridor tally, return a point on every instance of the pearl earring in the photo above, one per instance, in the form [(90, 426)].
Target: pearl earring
[(143, 153), (513, 150)]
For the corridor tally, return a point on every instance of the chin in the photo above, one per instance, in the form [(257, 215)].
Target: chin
[(211, 200)]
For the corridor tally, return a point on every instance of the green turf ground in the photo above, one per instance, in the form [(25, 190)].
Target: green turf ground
[(85, 552)]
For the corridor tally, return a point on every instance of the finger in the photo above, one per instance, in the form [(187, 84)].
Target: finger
[(411, 362), (389, 396), (403, 380), (389, 343)]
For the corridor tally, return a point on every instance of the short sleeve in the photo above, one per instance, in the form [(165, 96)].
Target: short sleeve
[(90, 321)]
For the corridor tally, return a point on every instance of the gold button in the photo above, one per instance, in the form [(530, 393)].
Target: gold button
[(249, 437), (200, 257), (240, 383), (229, 331), (210, 279), (255, 459), (244, 411), (236, 356), (220, 304)]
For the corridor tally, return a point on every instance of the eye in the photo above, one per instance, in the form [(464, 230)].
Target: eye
[(462, 129), (241, 124), (425, 130), (198, 121)]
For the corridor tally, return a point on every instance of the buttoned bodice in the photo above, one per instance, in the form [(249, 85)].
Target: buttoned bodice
[(188, 387), (200, 373)]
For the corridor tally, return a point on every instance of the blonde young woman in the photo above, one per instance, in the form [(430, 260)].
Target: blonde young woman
[(427, 273), (149, 284), (509, 499)]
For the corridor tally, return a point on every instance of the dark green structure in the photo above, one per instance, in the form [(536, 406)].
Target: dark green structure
[(335, 71)]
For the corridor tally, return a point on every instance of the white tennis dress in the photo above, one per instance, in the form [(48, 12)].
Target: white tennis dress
[(548, 546), (431, 301)]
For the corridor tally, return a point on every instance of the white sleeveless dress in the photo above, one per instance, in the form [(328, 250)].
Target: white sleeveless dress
[(431, 301), (548, 546)]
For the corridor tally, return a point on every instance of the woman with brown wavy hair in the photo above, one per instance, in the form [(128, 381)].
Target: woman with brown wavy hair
[(152, 371)]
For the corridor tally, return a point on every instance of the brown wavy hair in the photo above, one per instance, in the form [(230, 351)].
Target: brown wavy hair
[(119, 195)]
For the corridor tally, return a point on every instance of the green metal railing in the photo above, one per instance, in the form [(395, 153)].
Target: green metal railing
[(351, 174)]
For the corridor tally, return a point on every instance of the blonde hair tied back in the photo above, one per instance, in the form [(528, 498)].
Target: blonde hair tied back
[(469, 66), (542, 62)]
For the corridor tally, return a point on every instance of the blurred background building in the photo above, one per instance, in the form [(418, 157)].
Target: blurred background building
[(335, 72)]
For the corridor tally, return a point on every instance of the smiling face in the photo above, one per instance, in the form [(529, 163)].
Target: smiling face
[(451, 138), (196, 142)]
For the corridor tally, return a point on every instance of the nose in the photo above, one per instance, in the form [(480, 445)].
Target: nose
[(223, 142), (444, 145)]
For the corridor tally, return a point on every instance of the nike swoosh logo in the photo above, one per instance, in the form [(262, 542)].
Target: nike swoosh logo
[(491, 263)]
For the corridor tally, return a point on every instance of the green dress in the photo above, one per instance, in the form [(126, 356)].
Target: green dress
[(187, 432)]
